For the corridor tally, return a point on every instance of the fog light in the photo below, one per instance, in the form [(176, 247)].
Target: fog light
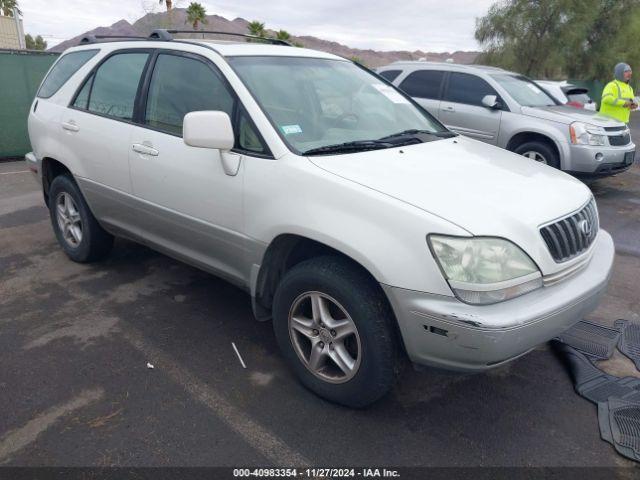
[(599, 157)]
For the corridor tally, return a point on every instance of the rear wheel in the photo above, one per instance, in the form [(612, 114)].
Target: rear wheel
[(335, 329), (539, 152), (77, 230)]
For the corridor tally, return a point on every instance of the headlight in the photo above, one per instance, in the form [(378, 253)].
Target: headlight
[(485, 270), (585, 134)]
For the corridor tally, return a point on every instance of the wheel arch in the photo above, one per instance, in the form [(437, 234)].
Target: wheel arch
[(51, 168), (287, 250), (534, 136), (283, 253)]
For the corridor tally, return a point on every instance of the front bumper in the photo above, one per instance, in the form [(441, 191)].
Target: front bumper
[(442, 331), (583, 159)]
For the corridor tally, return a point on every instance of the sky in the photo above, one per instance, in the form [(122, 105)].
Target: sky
[(429, 25)]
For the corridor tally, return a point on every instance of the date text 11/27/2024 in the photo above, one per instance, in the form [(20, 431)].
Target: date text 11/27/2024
[(316, 472)]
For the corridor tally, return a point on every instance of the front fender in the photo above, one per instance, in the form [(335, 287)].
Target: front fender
[(554, 132), (385, 235)]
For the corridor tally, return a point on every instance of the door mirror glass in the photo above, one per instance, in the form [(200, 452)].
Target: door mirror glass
[(491, 101), (208, 129)]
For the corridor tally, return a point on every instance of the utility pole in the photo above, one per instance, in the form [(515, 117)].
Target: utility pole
[(21, 41)]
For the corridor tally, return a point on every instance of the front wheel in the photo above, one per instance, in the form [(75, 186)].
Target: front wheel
[(539, 152), (335, 329)]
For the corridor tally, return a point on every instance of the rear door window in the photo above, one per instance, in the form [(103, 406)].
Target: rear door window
[(115, 85), (423, 84), (62, 71), (467, 89)]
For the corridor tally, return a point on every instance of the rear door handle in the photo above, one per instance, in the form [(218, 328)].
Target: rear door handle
[(70, 126), (450, 108), (145, 149)]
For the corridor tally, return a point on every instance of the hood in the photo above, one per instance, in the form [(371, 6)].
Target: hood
[(478, 187), (568, 115)]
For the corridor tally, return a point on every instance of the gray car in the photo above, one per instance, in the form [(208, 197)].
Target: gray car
[(509, 110)]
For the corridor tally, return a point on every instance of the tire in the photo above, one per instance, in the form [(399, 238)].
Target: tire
[(69, 213), (344, 289), (542, 149)]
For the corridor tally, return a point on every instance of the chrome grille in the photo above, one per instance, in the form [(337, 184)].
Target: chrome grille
[(572, 235)]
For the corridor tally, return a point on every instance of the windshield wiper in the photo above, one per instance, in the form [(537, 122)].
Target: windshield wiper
[(357, 146), (415, 131)]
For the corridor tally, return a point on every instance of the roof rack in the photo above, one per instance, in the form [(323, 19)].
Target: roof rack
[(165, 35), (97, 38)]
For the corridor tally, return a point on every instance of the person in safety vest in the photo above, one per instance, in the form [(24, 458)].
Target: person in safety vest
[(617, 97)]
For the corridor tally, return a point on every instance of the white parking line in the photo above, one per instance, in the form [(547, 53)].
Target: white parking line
[(13, 173), (257, 436)]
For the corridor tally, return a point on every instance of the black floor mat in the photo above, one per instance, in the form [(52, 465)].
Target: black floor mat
[(629, 343), (595, 385), (591, 339), (620, 425)]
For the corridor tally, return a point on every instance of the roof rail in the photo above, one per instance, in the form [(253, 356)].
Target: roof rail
[(97, 38), (164, 34)]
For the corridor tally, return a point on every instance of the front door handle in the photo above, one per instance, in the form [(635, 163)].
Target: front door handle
[(450, 108), (70, 126), (145, 149)]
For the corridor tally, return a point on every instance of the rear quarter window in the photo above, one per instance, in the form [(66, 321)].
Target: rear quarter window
[(390, 75), (62, 71)]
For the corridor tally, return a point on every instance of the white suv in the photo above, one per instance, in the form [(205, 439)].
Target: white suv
[(365, 229)]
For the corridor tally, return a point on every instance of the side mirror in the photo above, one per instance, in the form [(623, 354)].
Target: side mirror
[(208, 129), (491, 101)]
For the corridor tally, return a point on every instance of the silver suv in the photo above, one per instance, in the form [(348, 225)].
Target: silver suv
[(509, 110)]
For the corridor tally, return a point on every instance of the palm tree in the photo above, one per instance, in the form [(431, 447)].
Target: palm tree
[(283, 35), (168, 3), (256, 28), (196, 14), (7, 6)]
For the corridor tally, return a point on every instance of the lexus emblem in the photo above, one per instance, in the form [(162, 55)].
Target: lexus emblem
[(585, 227)]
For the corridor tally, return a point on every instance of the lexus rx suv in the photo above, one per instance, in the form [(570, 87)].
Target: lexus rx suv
[(362, 227)]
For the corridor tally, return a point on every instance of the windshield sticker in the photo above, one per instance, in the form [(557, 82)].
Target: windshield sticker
[(390, 93), (290, 129)]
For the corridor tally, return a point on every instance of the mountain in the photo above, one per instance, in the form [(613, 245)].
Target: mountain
[(119, 28), (177, 20)]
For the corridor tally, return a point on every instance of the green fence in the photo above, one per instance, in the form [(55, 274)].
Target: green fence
[(21, 72)]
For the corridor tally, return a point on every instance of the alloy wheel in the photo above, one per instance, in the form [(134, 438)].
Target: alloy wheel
[(69, 219), (537, 156), (324, 337)]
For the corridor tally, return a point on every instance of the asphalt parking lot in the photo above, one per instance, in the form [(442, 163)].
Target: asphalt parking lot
[(75, 388)]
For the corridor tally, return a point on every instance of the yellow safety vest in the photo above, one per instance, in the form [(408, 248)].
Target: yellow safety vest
[(614, 96)]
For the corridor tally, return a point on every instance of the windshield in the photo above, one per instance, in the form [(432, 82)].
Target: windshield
[(315, 103), (523, 90)]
